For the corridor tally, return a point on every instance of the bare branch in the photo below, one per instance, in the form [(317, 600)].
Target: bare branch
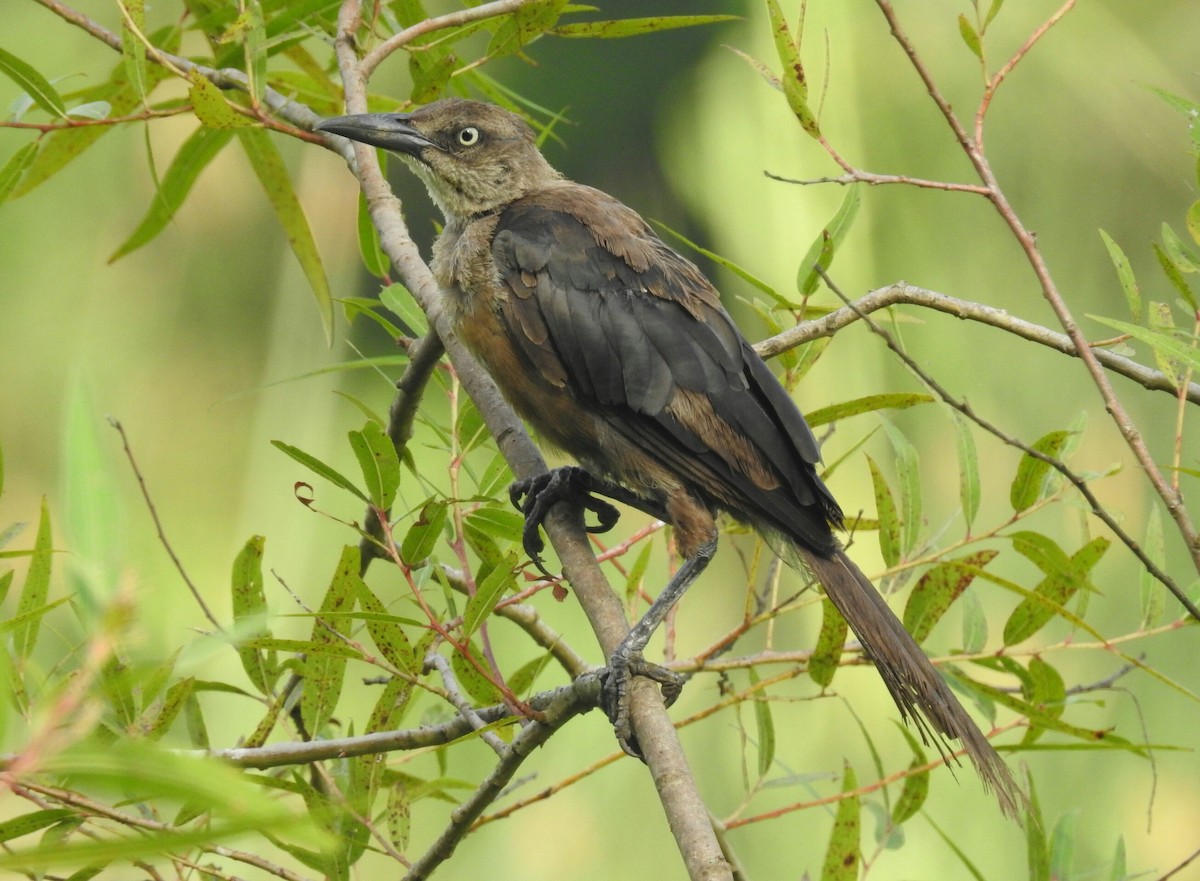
[(902, 293)]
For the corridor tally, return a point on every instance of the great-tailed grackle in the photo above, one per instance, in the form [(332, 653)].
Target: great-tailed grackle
[(617, 350)]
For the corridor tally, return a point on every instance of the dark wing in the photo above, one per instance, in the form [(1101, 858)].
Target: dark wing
[(602, 306)]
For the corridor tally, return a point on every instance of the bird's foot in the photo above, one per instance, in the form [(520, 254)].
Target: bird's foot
[(614, 692), (535, 496)]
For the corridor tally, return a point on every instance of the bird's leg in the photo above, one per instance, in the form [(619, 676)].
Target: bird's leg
[(535, 496), (626, 660)]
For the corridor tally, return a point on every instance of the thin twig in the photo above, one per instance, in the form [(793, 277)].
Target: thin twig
[(162, 535), (495, 9), (582, 694), (449, 682)]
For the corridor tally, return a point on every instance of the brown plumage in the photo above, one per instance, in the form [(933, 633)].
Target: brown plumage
[(618, 351)]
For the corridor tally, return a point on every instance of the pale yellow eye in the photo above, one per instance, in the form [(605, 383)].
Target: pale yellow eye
[(469, 136)]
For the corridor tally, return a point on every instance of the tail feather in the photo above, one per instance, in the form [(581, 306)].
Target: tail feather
[(918, 690)]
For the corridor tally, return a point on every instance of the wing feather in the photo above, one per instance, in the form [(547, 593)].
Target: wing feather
[(638, 336)]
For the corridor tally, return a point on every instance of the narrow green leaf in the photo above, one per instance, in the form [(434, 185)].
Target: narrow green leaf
[(830, 642), (1192, 220), (273, 175), (1062, 846), (909, 480), (387, 634), (760, 68), (379, 462), (325, 674), (970, 37), (369, 246), (1030, 484), (318, 467), (423, 535), (843, 856), (629, 27), (194, 718), (869, 404), (430, 75), (488, 592), (157, 719), (398, 816), (764, 728), (473, 682), (15, 168), (916, 785), (1037, 848), (938, 588), (33, 84), (210, 105), (250, 613), (969, 491), (1044, 688), (1170, 345), (1053, 592), (504, 524), (401, 304), (33, 822), (132, 48), (1117, 868), (1174, 273), (193, 156), (6, 580), (1124, 275), (1153, 592), (974, 623), (889, 520), (1187, 259), (823, 249), (36, 587), (795, 82), (305, 646), (993, 10)]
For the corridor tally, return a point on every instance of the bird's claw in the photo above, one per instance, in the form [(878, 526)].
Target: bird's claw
[(535, 496), (614, 693)]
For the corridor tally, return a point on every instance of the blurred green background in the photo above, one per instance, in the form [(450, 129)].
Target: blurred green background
[(200, 344)]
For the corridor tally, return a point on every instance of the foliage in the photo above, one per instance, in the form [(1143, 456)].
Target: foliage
[(109, 739)]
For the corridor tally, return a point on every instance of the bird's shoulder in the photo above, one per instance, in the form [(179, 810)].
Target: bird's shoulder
[(587, 240)]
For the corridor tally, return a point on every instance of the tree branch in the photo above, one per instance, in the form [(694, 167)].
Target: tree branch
[(902, 293)]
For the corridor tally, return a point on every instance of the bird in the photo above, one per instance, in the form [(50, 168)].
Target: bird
[(617, 350)]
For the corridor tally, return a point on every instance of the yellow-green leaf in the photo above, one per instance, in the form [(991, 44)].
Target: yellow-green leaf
[(33, 84), (193, 156), (830, 642), (628, 27), (1030, 482), (273, 176), (795, 83), (843, 856), (36, 588)]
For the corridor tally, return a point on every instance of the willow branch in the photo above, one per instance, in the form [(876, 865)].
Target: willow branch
[(902, 293)]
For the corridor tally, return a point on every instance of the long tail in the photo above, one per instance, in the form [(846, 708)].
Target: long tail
[(920, 693)]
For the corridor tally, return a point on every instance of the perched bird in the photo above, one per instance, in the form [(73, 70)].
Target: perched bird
[(617, 350)]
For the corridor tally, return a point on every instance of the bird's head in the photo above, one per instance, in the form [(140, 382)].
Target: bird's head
[(473, 157)]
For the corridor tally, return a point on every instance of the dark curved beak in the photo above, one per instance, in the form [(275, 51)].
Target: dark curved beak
[(391, 131)]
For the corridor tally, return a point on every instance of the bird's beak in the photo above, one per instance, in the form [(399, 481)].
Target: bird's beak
[(391, 131)]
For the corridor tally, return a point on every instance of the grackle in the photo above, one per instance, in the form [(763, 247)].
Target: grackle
[(617, 351)]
